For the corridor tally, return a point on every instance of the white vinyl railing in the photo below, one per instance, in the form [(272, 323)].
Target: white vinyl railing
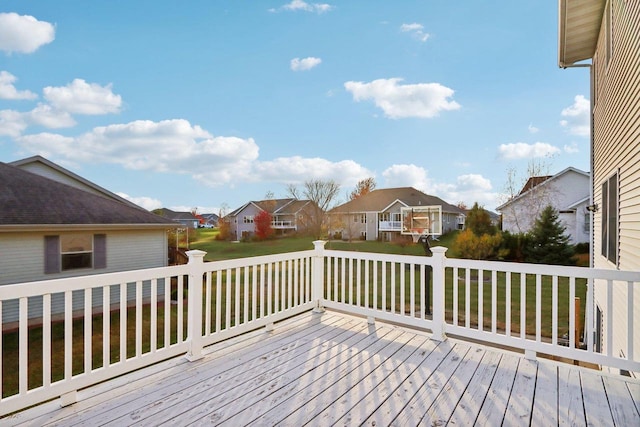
[(78, 331)]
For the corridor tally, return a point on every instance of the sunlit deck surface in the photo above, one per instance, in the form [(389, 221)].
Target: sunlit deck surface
[(333, 369)]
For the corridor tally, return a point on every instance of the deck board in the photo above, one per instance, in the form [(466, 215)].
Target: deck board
[(334, 369)]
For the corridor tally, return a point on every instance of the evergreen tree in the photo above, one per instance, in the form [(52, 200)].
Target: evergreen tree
[(548, 244), (479, 221)]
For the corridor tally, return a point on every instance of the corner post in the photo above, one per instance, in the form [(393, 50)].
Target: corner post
[(194, 322), (438, 319), (317, 277)]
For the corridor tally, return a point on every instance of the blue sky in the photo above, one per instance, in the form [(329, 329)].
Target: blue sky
[(211, 103)]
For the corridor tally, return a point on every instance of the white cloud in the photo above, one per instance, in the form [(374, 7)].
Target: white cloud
[(576, 117), (299, 5), (12, 123), (147, 203), (303, 64), (416, 30), (423, 100), (297, 170), (8, 90), (571, 148), (80, 97), (468, 188), (49, 117), (24, 33), (533, 129), (176, 146), (522, 150)]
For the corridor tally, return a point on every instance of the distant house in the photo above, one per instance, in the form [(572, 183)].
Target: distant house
[(187, 219), (377, 215), (287, 216), (607, 32), (210, 220), (567, 192)]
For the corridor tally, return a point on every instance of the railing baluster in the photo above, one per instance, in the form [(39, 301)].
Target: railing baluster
[(423, 292), (630, 320), (245, 293), (254, 292), (366, 283), (507, 304), (68, 334), (523, 305), (412, 290), (480, 299), (269, 288), (153, 334), (393, 287), (46, 341), (467, 297), (610, 318), (88, 333), (167, 312), (23, 352), (296, 282), (454, 284), (554, 310), (358, 280), (289, 284), (538, 308), (123, 322), (375, 285), (237, 305), (180, 307), (343, 269), (2, 352), (227, 294), (207, 305), (351, 284), (276, 285), (494, 301), (138, 318), (572, 314), (218, 301), (402, 287), (384, 286)]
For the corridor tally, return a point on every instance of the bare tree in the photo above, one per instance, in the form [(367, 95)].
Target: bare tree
[(322, 194), (363, 187), (538, 195)]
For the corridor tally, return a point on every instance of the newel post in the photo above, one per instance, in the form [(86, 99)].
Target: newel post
[(439, 261), (317, 276), (194, 316)]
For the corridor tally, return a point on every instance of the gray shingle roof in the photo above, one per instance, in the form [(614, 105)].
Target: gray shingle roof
[(378, 200), (27, 198)]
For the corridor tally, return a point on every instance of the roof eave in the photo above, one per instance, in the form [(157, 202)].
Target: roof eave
[(578, 27), (83, 227)]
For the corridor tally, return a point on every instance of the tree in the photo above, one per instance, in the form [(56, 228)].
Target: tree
[(224, 224), (363, 187), (322, 194), (521, 215), (473, 246), (479, 221), (262, 222), (548, 244)]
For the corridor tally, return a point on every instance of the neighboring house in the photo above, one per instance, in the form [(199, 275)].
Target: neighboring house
[(287, 216), (567, 192), (210, 220), (608, 33), (51, 230), (187, 219), (377, 215)]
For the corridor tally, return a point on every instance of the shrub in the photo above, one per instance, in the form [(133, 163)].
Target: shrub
[(473, 246)]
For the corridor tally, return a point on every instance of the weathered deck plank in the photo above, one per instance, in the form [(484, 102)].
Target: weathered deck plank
[(334, 369)]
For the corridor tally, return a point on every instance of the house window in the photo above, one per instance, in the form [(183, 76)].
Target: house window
[(587, 223), (384, 216), (363, 218), (75, 251), (248, 219), (609, 236)]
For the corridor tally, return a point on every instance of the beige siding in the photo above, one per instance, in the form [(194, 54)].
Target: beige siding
[(617, 149)]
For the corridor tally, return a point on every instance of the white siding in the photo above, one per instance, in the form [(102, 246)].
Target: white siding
[(617, 149)]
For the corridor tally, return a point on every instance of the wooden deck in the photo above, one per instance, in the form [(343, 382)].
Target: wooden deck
[(333, 369)]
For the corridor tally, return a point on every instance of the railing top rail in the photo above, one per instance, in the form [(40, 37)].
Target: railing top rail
[(545, 269), (43, 287), (409, 259), (256, 260)]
